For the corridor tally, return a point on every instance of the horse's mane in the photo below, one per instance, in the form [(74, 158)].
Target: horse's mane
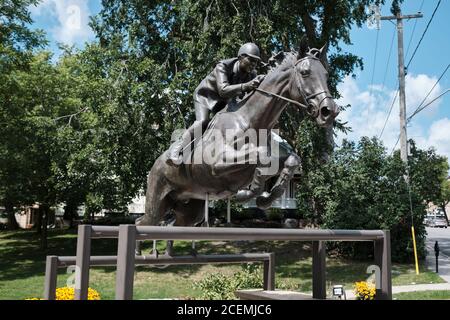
[(281, 60)]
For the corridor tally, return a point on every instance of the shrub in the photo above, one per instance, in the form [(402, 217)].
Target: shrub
[(114, 220), (274, 214), (218, 286)]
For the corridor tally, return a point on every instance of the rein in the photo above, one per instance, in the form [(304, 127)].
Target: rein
[(283, 98)]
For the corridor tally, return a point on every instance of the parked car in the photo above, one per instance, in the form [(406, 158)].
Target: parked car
[(437, 222)]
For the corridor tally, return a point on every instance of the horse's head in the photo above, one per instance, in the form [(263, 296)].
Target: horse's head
[(310, 85)]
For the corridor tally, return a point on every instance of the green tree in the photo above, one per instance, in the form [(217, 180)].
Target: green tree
[(428, 172), (111, 140), (168, 47), (444, 198), (17, 43), (364, 188), (41, 93)]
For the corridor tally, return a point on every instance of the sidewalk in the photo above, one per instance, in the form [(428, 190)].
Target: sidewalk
[(409, 288), (443, 263), (444, 273)]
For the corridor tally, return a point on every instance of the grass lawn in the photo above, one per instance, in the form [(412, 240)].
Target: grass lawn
[(22, 267), (423, 295)]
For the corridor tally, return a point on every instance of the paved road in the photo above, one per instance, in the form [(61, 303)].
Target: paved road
[(441, 235)]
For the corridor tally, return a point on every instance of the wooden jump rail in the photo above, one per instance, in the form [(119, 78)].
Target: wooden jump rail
[(55, 262), (126, 260)]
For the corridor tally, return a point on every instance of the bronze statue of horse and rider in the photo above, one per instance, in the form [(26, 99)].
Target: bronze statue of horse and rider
[(256, 104)]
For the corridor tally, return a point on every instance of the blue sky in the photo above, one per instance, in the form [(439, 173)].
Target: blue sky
[(370, 105), (66, 21)]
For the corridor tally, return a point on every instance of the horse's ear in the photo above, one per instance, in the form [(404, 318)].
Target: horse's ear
[(323, 55), (323, 52), (304, 47)]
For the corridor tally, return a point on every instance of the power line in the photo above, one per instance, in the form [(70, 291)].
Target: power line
[(387, 67), (423, 34), (374, 63), (414, 29), (420, 108), (389, 114), (396, 143), (389, 57), (417, 111), (398, 139), (384, 81), (403, 134), (429, 103)]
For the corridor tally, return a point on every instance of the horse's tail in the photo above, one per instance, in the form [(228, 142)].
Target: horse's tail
[(158, 188)]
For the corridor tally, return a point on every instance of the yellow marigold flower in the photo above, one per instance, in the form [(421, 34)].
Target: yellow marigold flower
[(364, 291), (68, 293)]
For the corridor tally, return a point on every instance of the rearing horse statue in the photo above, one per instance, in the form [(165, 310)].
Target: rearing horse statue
[(300, 79)]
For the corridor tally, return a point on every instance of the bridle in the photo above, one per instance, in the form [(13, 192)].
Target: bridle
[(302, 94)]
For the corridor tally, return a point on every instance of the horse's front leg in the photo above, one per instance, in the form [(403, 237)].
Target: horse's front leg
[(290, 165), (261, 175)]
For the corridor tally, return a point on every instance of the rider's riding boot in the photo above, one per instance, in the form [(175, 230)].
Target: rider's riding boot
[(175, 156)]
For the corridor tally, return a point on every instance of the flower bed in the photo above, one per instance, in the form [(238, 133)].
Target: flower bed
[(364, 291), (68, 293)]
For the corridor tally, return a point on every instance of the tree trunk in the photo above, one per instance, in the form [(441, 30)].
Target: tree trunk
[(70, 213), (45, 211), (330, 144), (443, 205), (12, 222), (38, 224)]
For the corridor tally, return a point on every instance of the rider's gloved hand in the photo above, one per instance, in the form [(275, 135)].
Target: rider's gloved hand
[(253, 84)]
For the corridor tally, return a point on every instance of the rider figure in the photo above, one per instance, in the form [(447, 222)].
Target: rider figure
[(230, 78)]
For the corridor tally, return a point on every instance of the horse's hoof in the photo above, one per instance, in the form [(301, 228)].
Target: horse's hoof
[(244, 195), (168, 252), (154, 253), (263, 202)]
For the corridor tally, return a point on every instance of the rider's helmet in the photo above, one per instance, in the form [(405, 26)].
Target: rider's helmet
[(250, 49)]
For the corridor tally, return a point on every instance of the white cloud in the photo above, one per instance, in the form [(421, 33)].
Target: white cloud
[(417, 87), (438, 136), (370, 108), (72, 16)]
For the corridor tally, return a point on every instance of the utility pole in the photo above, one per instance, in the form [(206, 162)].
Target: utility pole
[(401, 79), (403, 134)]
